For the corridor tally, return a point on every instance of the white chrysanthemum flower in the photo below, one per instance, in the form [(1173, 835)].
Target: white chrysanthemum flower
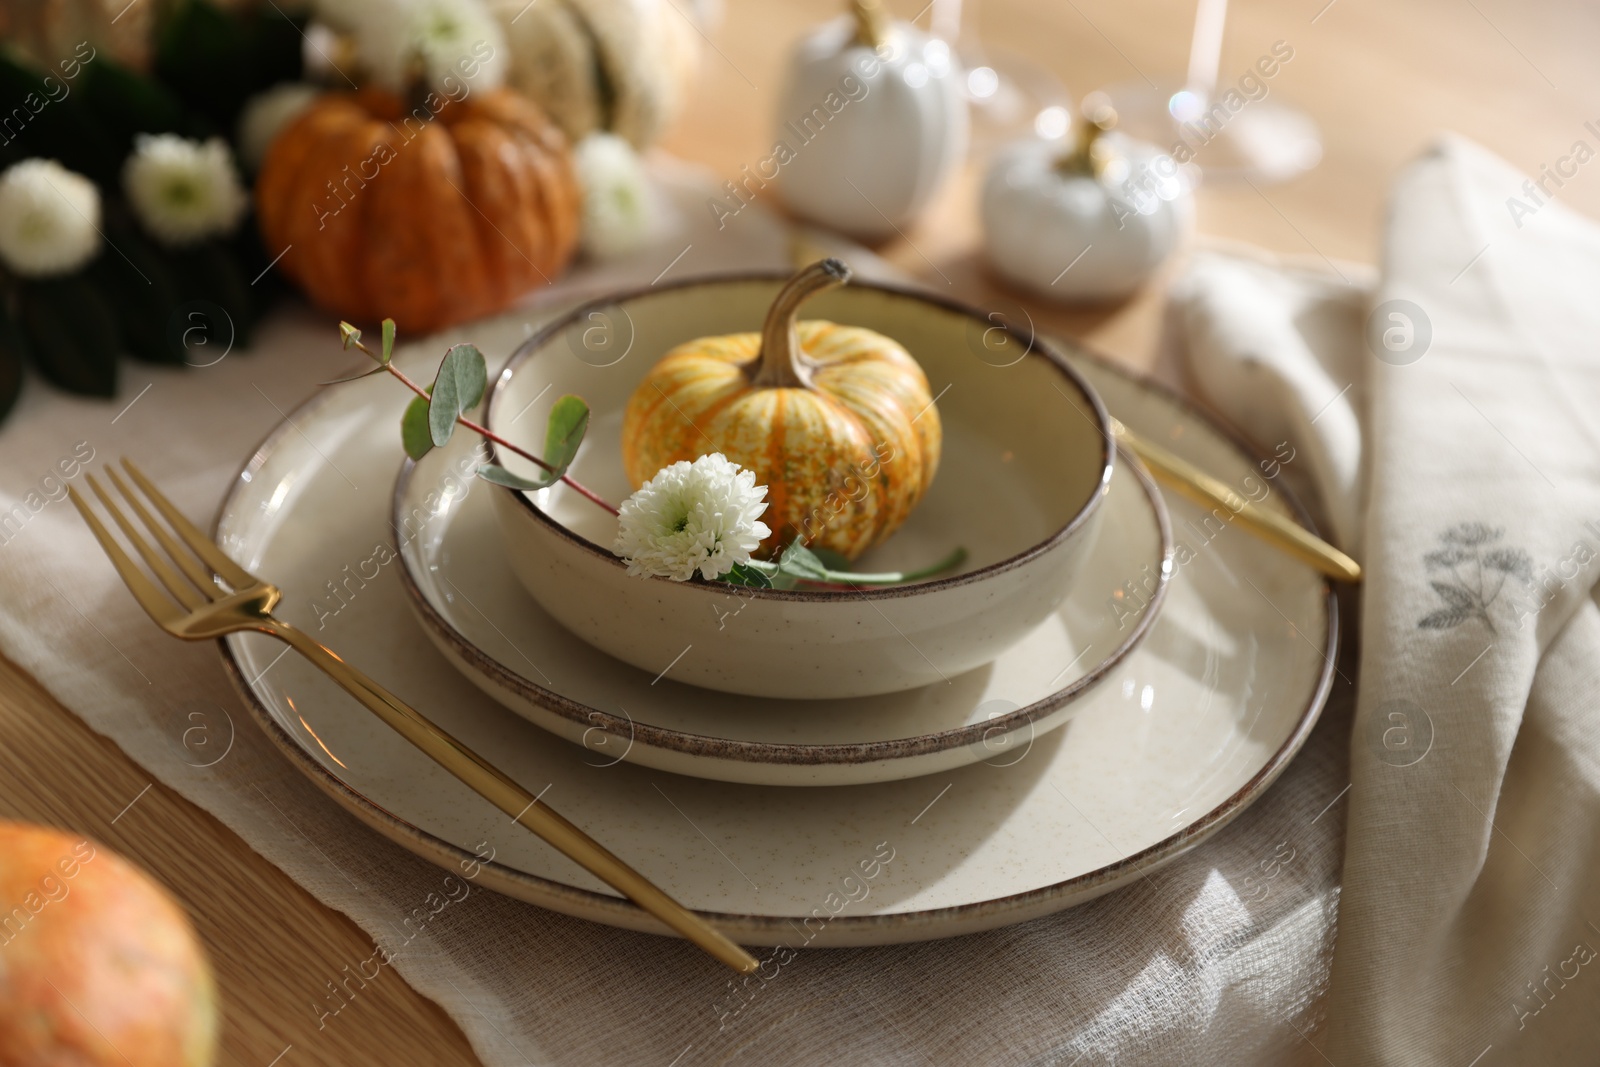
[(460, 46), (183, 190), (49, 218), (617, 207), (701, 516), (266, 115)]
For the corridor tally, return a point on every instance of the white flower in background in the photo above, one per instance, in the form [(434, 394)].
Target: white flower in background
[(49, 218), (701, 516), (183, 190), (460, 46), (617, 207), (266, 115)]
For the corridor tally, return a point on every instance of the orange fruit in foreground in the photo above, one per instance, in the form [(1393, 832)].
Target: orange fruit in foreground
[(99, 966)]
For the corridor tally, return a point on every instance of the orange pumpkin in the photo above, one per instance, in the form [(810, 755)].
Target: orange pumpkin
[(431, 216), (836, 421), (98, 965)]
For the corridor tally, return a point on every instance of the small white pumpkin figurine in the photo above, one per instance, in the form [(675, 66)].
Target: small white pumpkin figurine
[(873, 120), (1092, 224)]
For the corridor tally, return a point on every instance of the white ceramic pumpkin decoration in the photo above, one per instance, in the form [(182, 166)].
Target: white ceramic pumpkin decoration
[(1090, 224), (614, 66), (873, 120)]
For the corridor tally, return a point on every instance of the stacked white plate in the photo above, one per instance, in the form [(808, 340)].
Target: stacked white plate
[(1184, 668)]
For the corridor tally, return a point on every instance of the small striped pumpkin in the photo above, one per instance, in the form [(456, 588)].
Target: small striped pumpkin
[(836, 421)]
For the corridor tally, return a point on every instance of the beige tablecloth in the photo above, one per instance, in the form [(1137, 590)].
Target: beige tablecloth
[(1180, 968)]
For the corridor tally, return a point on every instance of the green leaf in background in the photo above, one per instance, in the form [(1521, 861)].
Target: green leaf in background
[(14, 352), (569, 420), (125, 103), (215, 60), (209, 271), (414, 432), (462, 379), (143, 293), (73, 334), (388, 342), (59, 124)]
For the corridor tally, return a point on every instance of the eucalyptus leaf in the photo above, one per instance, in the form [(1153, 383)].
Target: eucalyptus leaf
[(830, 559), (802, 564), (748, 574), (388, 341), (489, 472), (462, 379), (414, 430), (569, 420)]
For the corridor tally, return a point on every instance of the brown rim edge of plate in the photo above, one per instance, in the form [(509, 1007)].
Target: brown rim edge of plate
[(787, 754), (585, 904), (1100, 419)]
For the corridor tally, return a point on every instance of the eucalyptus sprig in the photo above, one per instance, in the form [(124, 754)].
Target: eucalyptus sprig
[(801, 564), (431, 418)]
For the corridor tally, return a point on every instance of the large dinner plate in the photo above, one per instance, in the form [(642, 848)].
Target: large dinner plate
[(1205, 715)]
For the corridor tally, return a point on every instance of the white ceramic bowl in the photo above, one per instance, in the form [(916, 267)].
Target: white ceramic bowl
[(1027, 459)]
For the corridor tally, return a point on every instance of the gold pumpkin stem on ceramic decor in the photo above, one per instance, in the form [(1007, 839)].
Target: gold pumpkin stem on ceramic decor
[(872, 23), (780, 364), (1090, 154)]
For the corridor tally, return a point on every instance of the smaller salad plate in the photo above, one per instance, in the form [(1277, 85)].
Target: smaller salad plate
[(472, 607)]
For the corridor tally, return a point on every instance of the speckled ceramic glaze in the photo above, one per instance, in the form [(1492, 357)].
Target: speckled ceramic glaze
[(477, 614), (1027, 458), (1207, 712)]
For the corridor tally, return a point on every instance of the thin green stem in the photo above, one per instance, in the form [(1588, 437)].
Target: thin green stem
[(484, 431), (949, 563)]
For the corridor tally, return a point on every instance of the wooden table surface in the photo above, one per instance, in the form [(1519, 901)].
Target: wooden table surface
[(1381, 80)]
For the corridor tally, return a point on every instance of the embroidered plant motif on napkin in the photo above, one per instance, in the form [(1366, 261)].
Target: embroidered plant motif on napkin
[(1471, 574)]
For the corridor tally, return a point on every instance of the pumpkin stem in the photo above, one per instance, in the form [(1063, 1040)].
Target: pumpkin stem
[(872, 23), (1089, 156), (780, 363)]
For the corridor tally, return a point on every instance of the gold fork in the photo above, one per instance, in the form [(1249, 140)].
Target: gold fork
[(205, 610)]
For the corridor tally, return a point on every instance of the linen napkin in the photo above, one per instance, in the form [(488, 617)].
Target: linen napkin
[(1467, 917), (1193, 965)]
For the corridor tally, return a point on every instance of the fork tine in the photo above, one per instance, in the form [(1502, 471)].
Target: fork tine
[(170, 578), (186, 560), (203, 546), (155, 603)]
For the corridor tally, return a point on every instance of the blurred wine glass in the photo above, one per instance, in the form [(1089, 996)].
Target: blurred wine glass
[(1011, 96), (1260, 140)]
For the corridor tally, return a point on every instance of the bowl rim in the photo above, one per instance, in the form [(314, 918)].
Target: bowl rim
[(1097, 415)]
